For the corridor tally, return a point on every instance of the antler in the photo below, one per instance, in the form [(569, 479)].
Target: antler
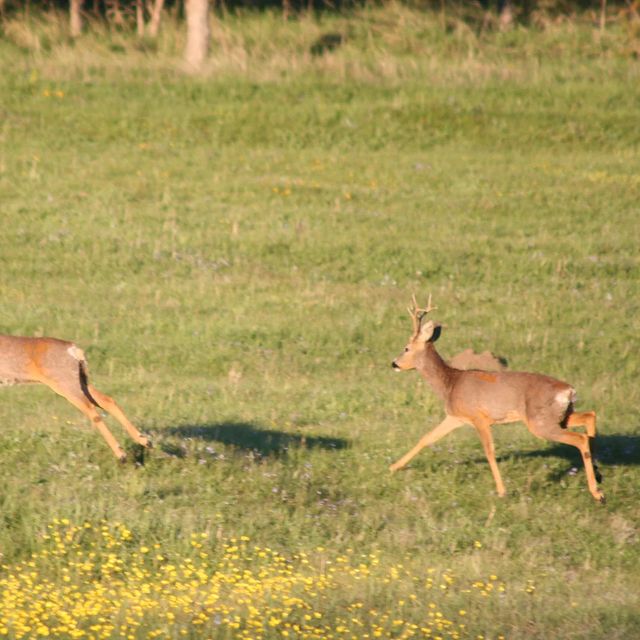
[(417, 314)]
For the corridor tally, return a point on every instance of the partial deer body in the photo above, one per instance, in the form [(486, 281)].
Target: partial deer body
[(483, 398), (62, 367), (486, 361)]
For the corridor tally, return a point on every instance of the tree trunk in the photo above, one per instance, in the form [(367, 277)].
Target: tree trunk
[(114, 12), (197, 32), (156, 14), (140, 18), (505, 14), (75, 18), (603, 14)]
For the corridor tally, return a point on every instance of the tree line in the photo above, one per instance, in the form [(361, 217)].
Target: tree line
[(147, 15)]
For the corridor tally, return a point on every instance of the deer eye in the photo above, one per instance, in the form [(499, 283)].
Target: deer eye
[(406, 349)]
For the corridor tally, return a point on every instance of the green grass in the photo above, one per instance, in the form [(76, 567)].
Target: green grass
[(235, 254)]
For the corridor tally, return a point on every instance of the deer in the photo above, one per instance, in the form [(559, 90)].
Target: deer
[(469, 359), (62, 366), (481, 399)]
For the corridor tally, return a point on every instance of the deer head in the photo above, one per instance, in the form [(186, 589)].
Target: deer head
[(422, 335)]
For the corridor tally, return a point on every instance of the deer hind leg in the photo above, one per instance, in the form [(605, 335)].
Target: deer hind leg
[(110, 406), (586, 419), (446, 426), (484, 431), (76, 396), (554, 432)]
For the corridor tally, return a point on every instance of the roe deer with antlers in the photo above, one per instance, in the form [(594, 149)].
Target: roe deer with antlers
[(482, 398), (62, 367)]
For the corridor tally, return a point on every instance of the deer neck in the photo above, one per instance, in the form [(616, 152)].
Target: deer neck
[(435, 371)]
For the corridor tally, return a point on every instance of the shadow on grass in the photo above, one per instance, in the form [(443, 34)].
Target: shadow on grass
[(251, 437), (610, 450)]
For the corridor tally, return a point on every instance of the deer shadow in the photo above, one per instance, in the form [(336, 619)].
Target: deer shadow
[(614, 449), (609, 450), (249, 437)]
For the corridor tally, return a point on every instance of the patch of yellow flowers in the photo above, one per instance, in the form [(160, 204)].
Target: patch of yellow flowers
[(97, 581)]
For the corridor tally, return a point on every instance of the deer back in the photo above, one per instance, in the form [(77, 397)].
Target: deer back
[(24, 359), (507, 396)]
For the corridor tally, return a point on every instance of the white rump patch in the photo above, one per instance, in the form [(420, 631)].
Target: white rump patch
[(76, 352), (566, 397)]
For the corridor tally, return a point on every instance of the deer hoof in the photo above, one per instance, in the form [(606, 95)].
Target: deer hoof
[(599, 496), (145, 441), (122, 457)]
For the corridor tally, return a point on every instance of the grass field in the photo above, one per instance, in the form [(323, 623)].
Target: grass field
[(235, 253)]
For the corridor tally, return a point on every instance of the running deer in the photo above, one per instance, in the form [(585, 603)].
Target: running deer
[(482, 398), (62, 367)]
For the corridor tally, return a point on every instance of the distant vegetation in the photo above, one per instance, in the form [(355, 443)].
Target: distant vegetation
[(156, 26)]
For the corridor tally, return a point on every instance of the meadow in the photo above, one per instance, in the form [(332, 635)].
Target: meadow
[(235, 253)]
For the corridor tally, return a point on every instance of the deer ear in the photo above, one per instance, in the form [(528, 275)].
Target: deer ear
[(429, 332)]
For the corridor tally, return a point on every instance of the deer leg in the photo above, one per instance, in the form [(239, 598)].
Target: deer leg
[(587, 419), (484, 431), (578, 440), (446, 426), (79, 400), (110, 405)]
